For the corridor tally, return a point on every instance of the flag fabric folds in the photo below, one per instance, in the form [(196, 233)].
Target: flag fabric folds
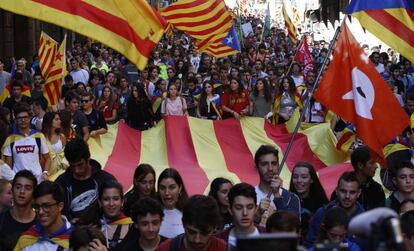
[(128, 26), (47, 53), (208, 21), (292, 33), (203, 149), (266, 28), (228, 46), (54, 68), (354, 90), (303, 56), (392, 21)]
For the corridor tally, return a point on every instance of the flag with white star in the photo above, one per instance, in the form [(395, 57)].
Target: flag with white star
[(228, 46)]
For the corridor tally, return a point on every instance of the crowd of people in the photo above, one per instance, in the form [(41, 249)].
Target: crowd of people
[(85, 208)]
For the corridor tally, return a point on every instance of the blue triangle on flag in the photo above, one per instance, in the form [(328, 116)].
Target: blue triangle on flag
[(231, 40)]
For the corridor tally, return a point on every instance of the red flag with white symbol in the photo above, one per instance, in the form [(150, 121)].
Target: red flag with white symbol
[(354, 90), (303, 56)]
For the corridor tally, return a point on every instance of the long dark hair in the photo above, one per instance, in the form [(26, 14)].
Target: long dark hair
[(316, 190), (292, 85), (240, 88), (175, 175), (141, 94), (66, 121), (203, 96), (266, 90), (111, 98), (215, 187), (47, 124), (140, 172)]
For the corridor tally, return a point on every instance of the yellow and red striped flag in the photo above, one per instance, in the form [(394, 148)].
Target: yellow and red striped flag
[(128, 26), (296, 16), (392, 21), (47, 53), (289, 24), (53, 82), (208, 21), (202, 150), (243, 6)]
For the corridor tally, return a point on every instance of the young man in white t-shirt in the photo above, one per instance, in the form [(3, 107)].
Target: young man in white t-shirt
[(78, 74), (24, 148)]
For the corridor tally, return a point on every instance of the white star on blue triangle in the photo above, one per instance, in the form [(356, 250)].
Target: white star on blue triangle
[(231, 40)]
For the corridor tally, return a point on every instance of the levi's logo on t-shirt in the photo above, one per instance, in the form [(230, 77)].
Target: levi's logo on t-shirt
[(25, 149)]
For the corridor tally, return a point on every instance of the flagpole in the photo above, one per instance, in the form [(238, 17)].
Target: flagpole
[(294, 56), (306, 106)]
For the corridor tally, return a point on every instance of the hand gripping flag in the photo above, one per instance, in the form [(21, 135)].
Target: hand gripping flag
[(303, 56), (128, 26), (392, 21), (353, 89)]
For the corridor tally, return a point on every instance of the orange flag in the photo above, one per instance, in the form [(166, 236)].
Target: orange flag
[(354, 90)]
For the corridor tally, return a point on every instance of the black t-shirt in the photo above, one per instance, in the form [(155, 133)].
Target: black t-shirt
[(11, 230), (96, 120), (10, 102), (79, 122), (81, 194)]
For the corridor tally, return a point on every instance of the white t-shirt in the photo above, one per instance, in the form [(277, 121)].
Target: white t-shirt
[(26, 154), (80, 76), (233, 238), (172, 224)]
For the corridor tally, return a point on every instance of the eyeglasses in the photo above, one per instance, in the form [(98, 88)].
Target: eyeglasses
[(45, 206), (85, 100)]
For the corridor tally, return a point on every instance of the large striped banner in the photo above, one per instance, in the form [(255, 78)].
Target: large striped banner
[(202, 150)]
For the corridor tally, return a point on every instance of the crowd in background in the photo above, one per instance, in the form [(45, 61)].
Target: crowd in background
[(102, 88)]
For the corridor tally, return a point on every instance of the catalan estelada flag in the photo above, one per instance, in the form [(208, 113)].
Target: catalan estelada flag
[(202, 150), (128, 26), (292, 33), (47, 53), (392, 21), (208, 21), (228, 46), (52, 87)]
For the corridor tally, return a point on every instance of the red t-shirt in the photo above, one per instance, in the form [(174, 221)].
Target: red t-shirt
[(216, 244), (107, 110), (235, 101)]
